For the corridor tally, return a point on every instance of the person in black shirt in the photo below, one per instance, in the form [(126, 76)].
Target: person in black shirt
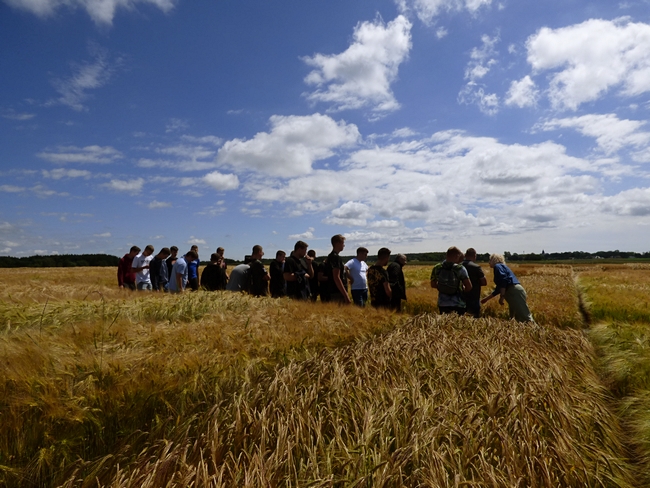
[(158, 270), (314, 287), (378, 285), (334, 271), (213, 277), (171, 260), (477, 277), (276, 270), (297, 272), (259, 278), (397, 283)]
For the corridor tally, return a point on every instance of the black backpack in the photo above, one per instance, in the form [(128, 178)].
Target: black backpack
[(448, 278)]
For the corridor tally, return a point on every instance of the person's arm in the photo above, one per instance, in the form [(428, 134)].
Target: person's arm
[(336, 276), (467, 285), (179, 283), (483, 281), (349, 275), (388, 290), (289, 273), (310, 268), (137, 269)]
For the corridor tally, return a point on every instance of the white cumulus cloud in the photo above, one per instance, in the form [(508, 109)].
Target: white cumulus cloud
[(309, 234), (362, 75), (522, 93), (291, 147), (588, 59), (127, 186), (222, 182), (610, 132)]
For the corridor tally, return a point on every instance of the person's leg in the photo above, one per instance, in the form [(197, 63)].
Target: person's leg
[(194, 284), (357, 297), (144, 286), (474, 308), (517, 304)]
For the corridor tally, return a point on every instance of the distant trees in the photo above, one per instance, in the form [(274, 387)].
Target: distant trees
[(75, 260), (59, 261), (559, 256)]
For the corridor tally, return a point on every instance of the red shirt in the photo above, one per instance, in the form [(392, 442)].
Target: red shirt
[(125, 273)]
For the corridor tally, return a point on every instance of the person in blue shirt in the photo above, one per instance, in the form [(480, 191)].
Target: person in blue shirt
[(509, 289), (193, 269), (178, 282)]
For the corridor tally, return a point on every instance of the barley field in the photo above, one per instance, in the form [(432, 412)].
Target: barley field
[(103, 387)]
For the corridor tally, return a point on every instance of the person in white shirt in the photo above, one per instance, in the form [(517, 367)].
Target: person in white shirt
[(357, 270), (141, 267)]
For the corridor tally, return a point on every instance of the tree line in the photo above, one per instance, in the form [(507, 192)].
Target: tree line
[(93, 260)]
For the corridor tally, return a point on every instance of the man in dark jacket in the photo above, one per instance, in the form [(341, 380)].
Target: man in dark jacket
[(213, 277), (297, 272), (477, 277), (397, 284), (276, 270)]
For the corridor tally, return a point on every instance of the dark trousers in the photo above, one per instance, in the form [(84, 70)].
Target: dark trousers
[(360, 297), (474, 308), (193, 283)]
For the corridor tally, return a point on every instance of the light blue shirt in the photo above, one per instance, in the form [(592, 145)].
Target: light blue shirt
[(179, 268)]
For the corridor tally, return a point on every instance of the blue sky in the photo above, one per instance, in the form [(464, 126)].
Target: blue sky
[(412, 124)]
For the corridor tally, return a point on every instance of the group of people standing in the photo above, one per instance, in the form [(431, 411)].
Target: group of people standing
[(299, 276), (459, 279), (166, 271)]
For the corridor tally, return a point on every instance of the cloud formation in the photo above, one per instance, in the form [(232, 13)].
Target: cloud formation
[(73, 91), (291, 147), (427, 10), (221, 182), (410, 190), (127, 186), (482, 59), (610, 132), (101, 11), (362, 75), (586, 60), (522, 93), (89, 154)]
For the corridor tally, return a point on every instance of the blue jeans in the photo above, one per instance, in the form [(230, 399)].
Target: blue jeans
[(360, 297)]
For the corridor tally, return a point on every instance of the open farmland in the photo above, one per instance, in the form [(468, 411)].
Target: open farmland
[(109, 388)]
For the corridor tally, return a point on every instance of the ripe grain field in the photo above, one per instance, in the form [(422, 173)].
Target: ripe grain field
[(109, 388)]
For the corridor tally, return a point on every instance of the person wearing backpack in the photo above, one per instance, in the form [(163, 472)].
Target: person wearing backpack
[(451, 279)]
